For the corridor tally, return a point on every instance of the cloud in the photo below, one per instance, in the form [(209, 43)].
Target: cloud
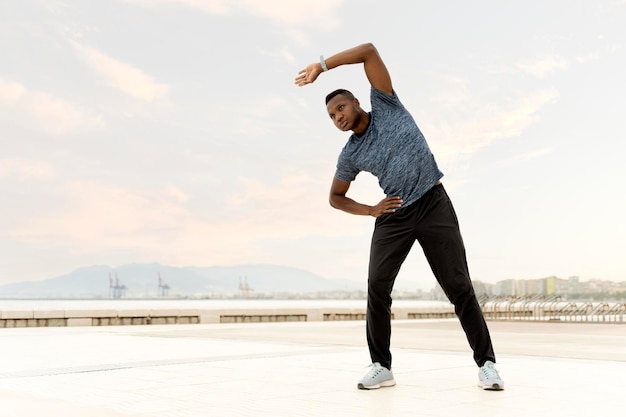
[(24, 169), (208, 6), (486, 124), (94, 217), (255, 120), (281, 209), (292, 209), (11, 92), (122, 76), (284, 54), (593, 56), (177, 194), (538, 153), (291, 15), (539, 68), (285, 12), (43, 111)]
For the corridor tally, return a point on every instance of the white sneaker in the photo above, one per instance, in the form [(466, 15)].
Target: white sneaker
[(377, 377), (488, 377)]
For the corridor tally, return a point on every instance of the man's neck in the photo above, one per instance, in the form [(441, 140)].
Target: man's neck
[(364, 122)]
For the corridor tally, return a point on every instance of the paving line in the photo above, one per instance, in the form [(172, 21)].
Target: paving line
[(164, 362)]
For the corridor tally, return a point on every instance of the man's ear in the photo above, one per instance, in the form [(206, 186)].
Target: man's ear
[(356, 103)]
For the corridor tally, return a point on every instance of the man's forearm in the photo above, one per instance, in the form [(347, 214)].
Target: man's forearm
[(387, 205), (348, 205), (374, 67), (358, 54)]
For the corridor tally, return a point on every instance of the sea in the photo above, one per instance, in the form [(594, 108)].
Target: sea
[(78, 304)]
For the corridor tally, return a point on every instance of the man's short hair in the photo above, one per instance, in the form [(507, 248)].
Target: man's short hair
[(338, 92)]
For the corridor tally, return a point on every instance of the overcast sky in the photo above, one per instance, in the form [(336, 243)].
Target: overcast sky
[(171, 131)]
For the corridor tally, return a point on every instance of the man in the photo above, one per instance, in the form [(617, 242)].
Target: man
[(388, 143)]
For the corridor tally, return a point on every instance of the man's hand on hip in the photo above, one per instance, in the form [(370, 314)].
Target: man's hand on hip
[(386, 206)]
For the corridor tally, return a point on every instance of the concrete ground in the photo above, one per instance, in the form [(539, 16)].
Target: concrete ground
[(308, 369)]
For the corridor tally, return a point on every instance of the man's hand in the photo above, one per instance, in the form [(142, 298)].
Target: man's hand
[(386, 206), (309, 74)]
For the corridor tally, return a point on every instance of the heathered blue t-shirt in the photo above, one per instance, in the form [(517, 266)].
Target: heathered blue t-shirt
[(393, 149)]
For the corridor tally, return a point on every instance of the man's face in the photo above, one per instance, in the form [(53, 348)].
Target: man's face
[(344, 112)]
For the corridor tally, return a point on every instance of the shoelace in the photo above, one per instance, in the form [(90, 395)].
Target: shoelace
[(376, 369), (489, 372)]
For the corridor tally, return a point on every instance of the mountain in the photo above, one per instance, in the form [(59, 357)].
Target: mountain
[(142, 280)]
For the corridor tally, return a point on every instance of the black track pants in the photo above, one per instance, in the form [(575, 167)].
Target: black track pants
[(433, 223)]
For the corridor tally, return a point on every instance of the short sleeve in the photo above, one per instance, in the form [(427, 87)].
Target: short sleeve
[(381, 100), (345, 170)]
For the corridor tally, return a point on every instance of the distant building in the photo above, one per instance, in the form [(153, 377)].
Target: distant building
[(531, 287)]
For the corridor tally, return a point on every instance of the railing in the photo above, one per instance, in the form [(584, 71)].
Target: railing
[(552, 308), (529, 308)]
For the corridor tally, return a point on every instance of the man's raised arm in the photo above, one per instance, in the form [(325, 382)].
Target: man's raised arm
[(367, 54)]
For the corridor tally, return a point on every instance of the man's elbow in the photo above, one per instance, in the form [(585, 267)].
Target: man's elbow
[(369, 46), (368, 49)]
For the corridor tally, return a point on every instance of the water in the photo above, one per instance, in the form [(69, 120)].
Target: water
[(122, 304)]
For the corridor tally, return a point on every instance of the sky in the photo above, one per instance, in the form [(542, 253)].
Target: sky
[(171, 131)]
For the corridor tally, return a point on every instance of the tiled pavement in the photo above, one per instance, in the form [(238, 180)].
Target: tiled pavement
[(308, 369)]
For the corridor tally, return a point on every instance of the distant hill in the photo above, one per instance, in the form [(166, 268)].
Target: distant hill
[(141, 280)]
